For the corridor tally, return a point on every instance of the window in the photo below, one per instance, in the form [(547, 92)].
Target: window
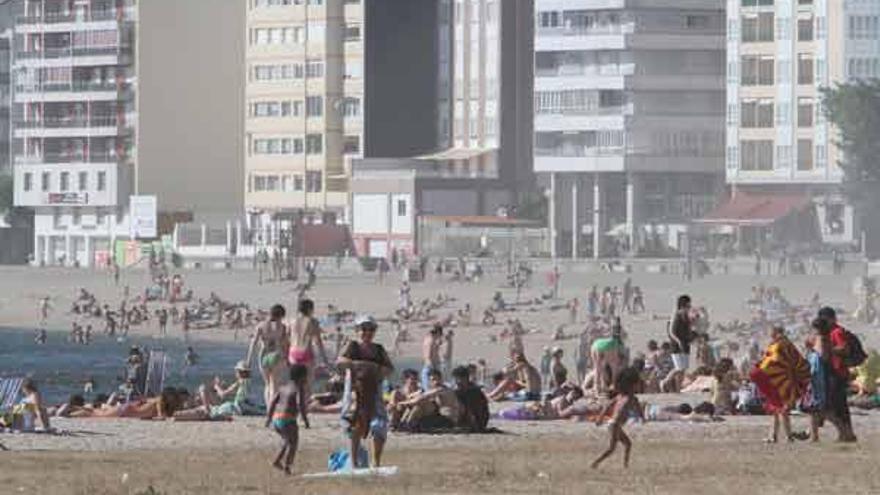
[(757, 3), (696, 21), (313, 181), (805, 154), (351, 107), (546, 19), (314, 68), (65, 181), (805, 29), (28, 181), (44, 181), (756, 155), (351, 145), (297, 182), (756, 113), (757, 28), (757, 70), (77, 216), (100, 217), (805, 112), (314, 106), (352, 32), (102, 181), (82, 181), (805, 68), (401, 207), (314, 144), (354, 70)]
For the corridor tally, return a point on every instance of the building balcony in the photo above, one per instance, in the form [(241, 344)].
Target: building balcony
[(59, 128), (62, 158), (72, 92), (67, 17)]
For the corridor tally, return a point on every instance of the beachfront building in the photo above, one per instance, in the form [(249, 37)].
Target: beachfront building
[(780, 148), (629, 120), (5, 100), (100, 115), (450, 132), (304, 105)]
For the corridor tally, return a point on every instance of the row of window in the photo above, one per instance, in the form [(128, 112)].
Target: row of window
[(761, 28), (297, 35), (863, 68), (574, 101), (64, 181), (769, 3), (759, 113), (760, 70), (312, 144), (351, 107), (312, 182), (312, 69), (758, 155), (863, 27)]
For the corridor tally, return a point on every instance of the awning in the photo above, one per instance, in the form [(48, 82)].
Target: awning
[(759, 210), (457, 154)]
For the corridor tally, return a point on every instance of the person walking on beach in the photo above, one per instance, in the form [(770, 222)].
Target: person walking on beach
[(431, 354), (304, 338), (44, 307), (163, 322), (285, 406), (273, 338), (681, 334), (839, 375), (620, 409)]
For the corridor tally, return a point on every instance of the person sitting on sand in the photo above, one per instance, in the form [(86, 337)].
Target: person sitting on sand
[(723, 387), (224, 402), (29, 409), (409, 389), (558, 371), (285, 406), (521, 381), (436, 406), (474, 406)]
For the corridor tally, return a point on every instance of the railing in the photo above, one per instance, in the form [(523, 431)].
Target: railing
[(56, 123), (587, 31), (624, 69), (578, 112), (61, 17), (66, 158), (71, 87), (579, 152), (68, 52)]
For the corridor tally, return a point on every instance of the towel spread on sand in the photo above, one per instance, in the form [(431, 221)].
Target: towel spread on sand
[(781, 376)]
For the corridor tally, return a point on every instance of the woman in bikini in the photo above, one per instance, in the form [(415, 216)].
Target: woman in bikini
[(274, 339), (305, 336)]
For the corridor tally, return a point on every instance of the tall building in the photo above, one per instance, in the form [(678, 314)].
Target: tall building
[(5, 100), (304, 104), (86, 125), (779, 55), (629, 119), (448, 116), (333, 81)]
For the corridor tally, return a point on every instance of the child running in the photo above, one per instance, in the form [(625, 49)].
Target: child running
[(282, 413), (621, 407)]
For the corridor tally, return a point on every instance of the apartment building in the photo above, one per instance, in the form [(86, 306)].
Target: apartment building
[(449, 132), (779, 55), (5, 100), (86, 133), (629, 119), (304, 105)]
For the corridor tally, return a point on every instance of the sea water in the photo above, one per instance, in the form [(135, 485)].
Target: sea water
[(61, 368)]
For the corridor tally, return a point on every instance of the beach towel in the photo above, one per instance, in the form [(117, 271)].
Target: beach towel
[(781, 377)]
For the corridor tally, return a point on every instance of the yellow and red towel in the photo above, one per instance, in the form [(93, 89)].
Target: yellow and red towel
[(782, 376)]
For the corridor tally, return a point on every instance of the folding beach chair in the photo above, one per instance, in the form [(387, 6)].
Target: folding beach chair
[(9, 390), (156, 371)]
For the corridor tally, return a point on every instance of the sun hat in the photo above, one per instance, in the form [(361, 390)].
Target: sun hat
[(242, 366)]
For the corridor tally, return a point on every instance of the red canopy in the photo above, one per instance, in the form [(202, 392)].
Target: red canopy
[(750, 209)]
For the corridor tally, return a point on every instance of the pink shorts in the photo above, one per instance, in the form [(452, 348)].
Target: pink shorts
[(298, 355)]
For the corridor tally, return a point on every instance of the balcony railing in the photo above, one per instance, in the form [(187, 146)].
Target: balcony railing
[(56, 123), (579, 151), (62, 17), (622, 69), (66, 158), (587, 31), (76, 86), (69, 52)]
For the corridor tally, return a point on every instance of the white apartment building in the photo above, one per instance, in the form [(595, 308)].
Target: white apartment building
[(304, 105), (82, 72), (780, 53), (629, 119)]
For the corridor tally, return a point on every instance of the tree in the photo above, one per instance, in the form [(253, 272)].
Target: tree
[(533, 206), (854, 108)]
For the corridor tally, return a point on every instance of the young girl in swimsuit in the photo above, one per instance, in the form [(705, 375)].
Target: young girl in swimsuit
[(305, 336), (286, 405), (274, 341), (621, 408)]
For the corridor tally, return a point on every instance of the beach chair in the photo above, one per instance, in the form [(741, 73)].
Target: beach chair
[(9, 390), (157, 367)]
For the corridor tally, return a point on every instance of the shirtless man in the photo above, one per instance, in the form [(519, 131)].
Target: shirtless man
[(274, 341), (438, 399), (45, 305), (523, 379), (286, 405), (431, 354), (304, 337)]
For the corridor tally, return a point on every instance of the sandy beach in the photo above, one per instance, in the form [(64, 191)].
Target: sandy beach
[(133, 457)]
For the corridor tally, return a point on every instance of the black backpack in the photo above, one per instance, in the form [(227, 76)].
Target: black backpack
[(855, 353)]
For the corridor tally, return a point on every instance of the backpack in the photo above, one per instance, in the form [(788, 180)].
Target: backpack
[(855, 354)]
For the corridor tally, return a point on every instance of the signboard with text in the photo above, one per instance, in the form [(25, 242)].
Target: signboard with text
[(142, 211), (69, 198)]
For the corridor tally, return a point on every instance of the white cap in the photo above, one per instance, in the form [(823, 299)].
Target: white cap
[(242, 366), (364, 320)]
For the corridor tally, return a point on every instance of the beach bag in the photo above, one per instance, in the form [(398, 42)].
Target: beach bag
[(340, 459), (856, 354)]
